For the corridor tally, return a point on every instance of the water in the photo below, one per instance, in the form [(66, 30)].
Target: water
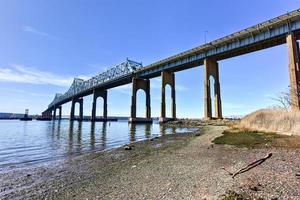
[(27, 143)]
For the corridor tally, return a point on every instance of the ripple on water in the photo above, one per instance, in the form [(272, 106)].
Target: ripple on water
[(27, 143)]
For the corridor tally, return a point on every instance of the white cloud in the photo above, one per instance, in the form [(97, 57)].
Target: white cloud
[(23, 74), (84, 77), (30, 29)]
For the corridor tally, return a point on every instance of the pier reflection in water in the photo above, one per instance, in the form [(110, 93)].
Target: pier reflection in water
[(24, 143)]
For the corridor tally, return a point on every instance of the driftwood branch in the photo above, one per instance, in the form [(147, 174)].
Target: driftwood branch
[(250, 166)]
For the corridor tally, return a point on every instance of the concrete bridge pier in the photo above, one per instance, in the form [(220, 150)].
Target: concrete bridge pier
[(103, 94), (294, 71), (144, 84), (72, 115), (211, 68), (167, 78), (59, 112), (54, 113)]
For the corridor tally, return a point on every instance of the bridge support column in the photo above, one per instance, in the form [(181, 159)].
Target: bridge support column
[(167, 78), (60, 111), (103, 94), (211, 68), (72, 115), (49, 114), (54, 114), (144, 84), (294, 71)]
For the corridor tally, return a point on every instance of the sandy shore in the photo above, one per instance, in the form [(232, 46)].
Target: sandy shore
[(182, 166)]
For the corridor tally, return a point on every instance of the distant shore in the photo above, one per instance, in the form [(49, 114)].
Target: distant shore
[(179, 166)]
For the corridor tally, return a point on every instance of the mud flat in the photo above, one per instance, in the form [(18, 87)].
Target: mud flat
[(180, 166)]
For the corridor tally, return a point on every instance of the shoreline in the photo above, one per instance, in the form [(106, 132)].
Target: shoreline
[(9, 168), (180, 166), (29, 175)]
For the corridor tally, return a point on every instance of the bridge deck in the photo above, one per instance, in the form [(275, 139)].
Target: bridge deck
[(261, 36)]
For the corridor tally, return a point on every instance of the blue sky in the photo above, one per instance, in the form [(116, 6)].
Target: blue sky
[(44, 44)]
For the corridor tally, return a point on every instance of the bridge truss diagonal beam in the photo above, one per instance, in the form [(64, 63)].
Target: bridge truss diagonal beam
[(80, 86)]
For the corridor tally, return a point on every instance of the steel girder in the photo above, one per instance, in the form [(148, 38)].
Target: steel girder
[(79, 85)]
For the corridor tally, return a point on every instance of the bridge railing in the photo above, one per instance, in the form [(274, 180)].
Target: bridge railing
[(80, 85)]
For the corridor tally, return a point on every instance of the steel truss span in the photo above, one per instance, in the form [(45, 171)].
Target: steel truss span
[(80, 86)]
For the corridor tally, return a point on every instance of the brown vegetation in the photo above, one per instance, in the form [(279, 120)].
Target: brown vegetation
[(272, 120)]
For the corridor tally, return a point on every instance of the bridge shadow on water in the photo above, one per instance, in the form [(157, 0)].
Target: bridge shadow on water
[(76, 137), (26, 143)]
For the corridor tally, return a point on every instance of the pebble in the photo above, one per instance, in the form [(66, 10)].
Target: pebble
[(254, 188), (127, 147)]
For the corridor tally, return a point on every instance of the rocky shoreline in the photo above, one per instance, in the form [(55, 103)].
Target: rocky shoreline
[(179, 166)]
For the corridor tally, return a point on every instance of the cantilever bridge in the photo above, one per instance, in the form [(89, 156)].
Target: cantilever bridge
[(277, 31), (80, 86)]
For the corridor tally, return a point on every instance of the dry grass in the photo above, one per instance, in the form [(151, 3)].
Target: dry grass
[(272, 120)]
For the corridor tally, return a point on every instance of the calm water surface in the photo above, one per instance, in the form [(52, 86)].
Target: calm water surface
[(27, 143)]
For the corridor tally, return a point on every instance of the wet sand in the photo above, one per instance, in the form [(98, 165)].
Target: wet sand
[(181, 166)]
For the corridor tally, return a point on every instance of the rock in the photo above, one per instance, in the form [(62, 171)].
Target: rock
[(198, 134), (259, 184), (230, 194), (254, 188), (28, 175), (127, 147), (298, 174)]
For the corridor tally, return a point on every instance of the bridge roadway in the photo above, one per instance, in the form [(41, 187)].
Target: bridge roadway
[(277, 31)]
